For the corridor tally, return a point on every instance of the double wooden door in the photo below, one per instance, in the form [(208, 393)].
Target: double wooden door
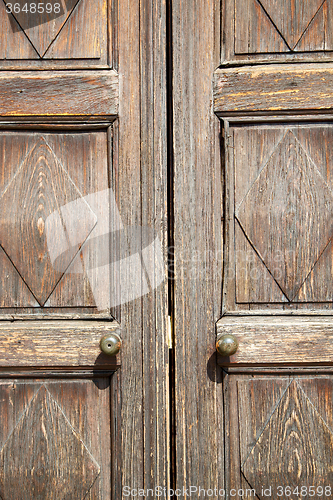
[(165, 179)]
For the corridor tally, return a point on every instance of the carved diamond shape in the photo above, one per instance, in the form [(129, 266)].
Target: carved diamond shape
[(287, 215), (294, 449), (42, 28), (291, 17), (44, 458), (39, 188)]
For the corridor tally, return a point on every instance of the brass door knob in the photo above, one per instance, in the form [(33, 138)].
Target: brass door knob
[(227, 344), (110, 344)]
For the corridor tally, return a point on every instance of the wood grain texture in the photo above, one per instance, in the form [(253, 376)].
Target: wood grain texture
[(279, 340), (268, 394), (254, 31), (280, 432), (154, 214), (64, 429), (286, 215), (294, 448), (54, 344), (291, 18), (197, 244), (77, 35), (66, 166), (254, 283), (39, 188), (85, 157), (248, 405), (254, 152), (41, 28), (139, 181), (84, 35), (273, 89), (136, 149), (47, 467), (58, 94), (262, 31)]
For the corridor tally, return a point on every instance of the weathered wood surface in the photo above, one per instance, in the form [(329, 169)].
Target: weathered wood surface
[(279, 340), (139, 181), (197, 202), (45, 172), (288, 200), (76, 36), (56, 94), (279, 432), (268, 31), (54, 344), (278, 251), (295, 429), (268, 89), (64, 430), (136, 159), (156, 422)]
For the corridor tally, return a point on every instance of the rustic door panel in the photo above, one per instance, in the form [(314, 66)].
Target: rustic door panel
[(70, 33), (55, 198), (51, 446), (82, 198), (262, 31), (281, 226), (277, 297), (279, 435)]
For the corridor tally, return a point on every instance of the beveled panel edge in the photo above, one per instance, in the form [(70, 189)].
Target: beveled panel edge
[(61, 95), (273, 89), (278, 340), (56, 344)]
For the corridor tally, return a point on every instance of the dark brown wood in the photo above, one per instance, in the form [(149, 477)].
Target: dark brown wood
[(197, 245), (260, 270), (54, 344), (277, 273), (155, 324), (278, 340), (266, 31), (63, 452), (273, 89), (139, 182), (102, 146), (45, 172), (87, 94), (78, 35), (279, 425), (288, 198)]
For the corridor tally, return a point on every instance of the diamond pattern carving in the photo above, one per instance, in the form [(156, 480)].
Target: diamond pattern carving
[(295, 447), (44, 457), (39, 188), (291, 17), (287, 215), (42, 28)]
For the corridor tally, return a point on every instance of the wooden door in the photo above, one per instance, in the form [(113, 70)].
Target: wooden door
[(83, 232), (253, 247)]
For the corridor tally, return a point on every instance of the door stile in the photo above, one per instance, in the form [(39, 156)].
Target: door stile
[(198, 245), (142, 198)]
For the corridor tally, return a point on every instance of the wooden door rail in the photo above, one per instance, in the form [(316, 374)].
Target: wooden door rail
[(274, 89), (279, 340), (55, 344), (59, 94)]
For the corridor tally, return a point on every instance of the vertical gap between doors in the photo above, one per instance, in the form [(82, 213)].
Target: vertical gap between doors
[(170, 256)]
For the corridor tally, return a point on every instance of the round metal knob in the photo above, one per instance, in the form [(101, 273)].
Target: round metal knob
[(227, 345), (110, 344)]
